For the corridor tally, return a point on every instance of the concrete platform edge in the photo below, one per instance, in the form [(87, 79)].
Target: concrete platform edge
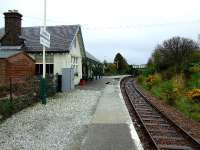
[(111, 127)]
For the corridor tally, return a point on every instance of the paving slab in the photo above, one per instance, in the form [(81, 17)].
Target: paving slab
[(111, 127)]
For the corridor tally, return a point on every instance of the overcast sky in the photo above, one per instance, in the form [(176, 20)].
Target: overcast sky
[(131, 27)]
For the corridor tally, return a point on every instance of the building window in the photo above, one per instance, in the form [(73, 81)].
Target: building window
[(49, 64), (74, 63), (39, 69), (49, 68)]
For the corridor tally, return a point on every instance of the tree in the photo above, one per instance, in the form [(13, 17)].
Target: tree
[(105, 63), (121, 63), (111, 69), (175, 52)]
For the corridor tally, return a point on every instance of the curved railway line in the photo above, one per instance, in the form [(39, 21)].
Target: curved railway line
[(161, 131)]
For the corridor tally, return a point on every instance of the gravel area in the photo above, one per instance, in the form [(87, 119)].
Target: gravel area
[(192, 127), (61, 124)]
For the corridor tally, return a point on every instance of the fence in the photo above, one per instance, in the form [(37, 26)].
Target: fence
[(16, 96)]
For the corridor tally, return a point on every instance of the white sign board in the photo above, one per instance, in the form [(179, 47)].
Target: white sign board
[(44, 37)]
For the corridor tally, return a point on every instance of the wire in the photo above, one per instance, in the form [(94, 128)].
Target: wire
[(120, 26), (136, 26)]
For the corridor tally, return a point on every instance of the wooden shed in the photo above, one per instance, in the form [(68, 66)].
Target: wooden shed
[(16, 65)]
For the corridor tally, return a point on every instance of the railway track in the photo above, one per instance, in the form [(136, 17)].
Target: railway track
[(163, 133)]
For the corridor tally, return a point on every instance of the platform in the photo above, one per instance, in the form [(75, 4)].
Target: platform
[(111, 127)]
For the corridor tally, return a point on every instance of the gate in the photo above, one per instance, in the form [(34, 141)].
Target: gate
[(67, 79)]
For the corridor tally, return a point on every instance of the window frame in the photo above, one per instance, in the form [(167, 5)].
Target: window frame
[(74, 63), (39, 71)]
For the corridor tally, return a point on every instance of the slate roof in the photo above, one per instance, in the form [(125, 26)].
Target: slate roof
[(8, 53), (90, 56), (61, 37)]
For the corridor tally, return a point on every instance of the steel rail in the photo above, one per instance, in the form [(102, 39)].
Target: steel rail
[(153, 143), (195, 143)]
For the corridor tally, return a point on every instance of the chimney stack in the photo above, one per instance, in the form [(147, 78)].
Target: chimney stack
[(12, 28)]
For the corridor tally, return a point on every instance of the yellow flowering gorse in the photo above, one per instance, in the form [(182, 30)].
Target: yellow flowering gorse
[(194, 94), (152, 80)]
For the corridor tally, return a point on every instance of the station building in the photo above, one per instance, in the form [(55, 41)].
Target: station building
[(66, 46)]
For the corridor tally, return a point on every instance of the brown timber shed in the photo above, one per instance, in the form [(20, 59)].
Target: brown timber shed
[(16, 65)]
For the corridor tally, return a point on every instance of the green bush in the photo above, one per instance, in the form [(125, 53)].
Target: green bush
[(148, 71), (168, 73), (6, 107), (141, 79), (174, 92), (189, 108), (111, 69), (152, 80), (194, 81), (169, 92), (157, 91)]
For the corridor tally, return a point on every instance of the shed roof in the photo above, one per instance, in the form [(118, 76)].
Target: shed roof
[(90, 56), (8, 53)]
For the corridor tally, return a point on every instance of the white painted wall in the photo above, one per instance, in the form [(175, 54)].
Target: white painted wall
[(63, 60), (76, 52)]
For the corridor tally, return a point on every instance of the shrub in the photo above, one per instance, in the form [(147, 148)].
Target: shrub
[(178, 82), (6, 107), (168, 73), (194, 81), (148, 71), (195, 68), (141, 79), (170, 92), (152, 80), (111, 69), (194, 94)]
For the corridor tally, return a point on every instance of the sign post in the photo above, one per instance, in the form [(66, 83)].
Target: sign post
[(45, 41)]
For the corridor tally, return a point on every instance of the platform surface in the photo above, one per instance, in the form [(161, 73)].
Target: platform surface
[(111, 127)]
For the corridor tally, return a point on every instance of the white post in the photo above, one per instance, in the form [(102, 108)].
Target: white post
[(44, 63)]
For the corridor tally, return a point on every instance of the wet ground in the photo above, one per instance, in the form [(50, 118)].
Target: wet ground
[(91, 117)]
